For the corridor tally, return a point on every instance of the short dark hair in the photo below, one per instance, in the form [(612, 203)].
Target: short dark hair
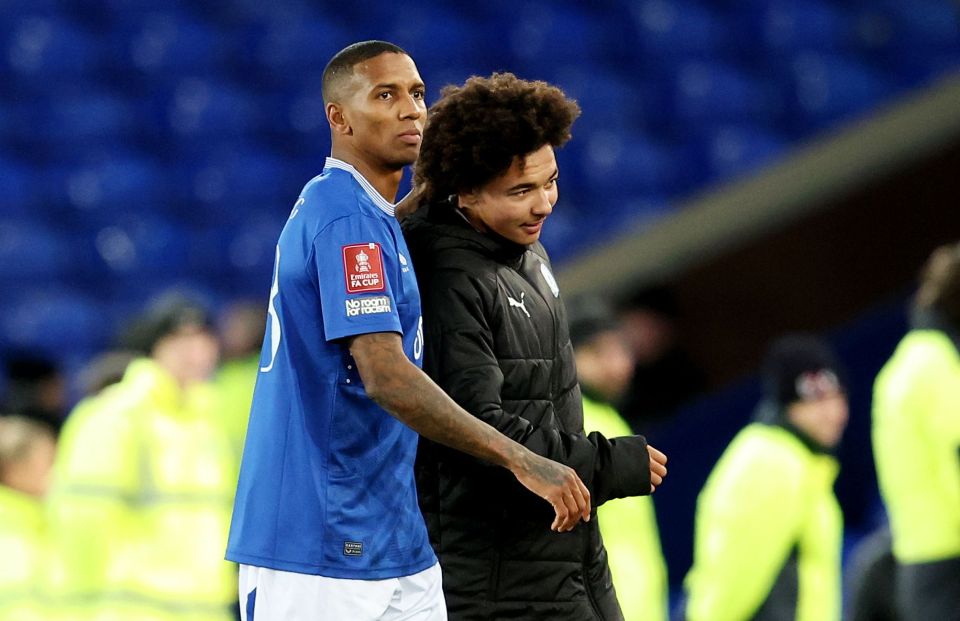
[(166, 315), (940, 284), (474, 131), (343, 62)]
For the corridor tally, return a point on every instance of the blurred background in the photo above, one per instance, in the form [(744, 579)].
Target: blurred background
[(741, 168)]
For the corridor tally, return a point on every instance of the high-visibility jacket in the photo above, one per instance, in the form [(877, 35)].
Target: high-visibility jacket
[(23, 558), (140, 504), (234, 382), (630, 535), (916, 444), (767, 516)]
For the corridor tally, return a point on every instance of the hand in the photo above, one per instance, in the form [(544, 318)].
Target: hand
[(658, 468), (557, 484)]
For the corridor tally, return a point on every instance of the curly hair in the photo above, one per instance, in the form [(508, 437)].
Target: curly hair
[(474, 132)]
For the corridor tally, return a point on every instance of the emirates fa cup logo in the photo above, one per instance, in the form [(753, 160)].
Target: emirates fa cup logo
[(363, 262)]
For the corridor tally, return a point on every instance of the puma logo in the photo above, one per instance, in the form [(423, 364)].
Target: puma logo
[(521, 304)]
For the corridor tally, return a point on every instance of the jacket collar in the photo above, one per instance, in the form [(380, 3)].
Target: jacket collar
[(448, 222), (773, 414), (143, 374)]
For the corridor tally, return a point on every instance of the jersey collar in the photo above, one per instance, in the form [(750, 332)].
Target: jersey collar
[(386, 206)]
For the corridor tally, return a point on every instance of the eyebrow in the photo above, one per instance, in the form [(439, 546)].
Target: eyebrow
[(528, 185), (394, 86)]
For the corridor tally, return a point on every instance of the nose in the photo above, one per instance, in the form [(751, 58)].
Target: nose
[(543, 206), (412, 108)]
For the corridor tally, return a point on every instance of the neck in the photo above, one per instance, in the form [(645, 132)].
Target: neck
[(384, 180), (472, 219)]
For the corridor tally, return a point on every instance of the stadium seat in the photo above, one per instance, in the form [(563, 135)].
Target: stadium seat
[(735, 149), (56, 321), (629, 163), (31, 252), (18, 189), (95, 118), (231, 183), (161, 42), (786, 27), (40, 49), (825, 89), (140, 243), (102, 186), (669, 30), (197, 108), (533, 36), (711, 92), (294, 41)]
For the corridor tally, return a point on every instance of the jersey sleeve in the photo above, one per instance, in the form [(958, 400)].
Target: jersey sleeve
[(356, 290)]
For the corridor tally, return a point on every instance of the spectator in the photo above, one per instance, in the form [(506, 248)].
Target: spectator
[(26, 455), (36, 389), (665, 376), (241, 335), (628, 525), (105, 370), (769, 529), (916, 416), (140, 504)]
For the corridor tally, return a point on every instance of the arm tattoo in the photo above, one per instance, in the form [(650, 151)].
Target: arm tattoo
[(405, 391)]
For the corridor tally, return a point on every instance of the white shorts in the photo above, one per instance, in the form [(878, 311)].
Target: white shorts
[(271, 595)]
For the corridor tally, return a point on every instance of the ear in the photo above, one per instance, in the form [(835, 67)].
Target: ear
[(336, 117), (467, 200)]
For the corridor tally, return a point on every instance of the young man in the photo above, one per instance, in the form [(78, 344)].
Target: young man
[(916, 412), (497, 342), (326, 523), (628, 525), (769, 529)]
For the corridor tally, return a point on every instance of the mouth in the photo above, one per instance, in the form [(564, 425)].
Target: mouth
[(411, 137), (532, 228)]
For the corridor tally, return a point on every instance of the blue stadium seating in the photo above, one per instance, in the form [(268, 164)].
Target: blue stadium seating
[(732, 150), (18, 194), (204, 120), (56, 321), (40, 48)]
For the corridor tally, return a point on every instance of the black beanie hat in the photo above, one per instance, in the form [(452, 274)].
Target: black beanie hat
[(587, 317), (799, 367)]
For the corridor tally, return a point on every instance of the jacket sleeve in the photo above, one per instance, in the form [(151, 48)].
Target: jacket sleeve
[(746, 523), (460, 358)]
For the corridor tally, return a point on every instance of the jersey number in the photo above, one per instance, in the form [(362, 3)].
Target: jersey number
[(272, 313)]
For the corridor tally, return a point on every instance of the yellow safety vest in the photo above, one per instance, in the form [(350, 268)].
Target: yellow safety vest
[(630, 535), (234, 383), (141, 502), (767, 496), (23, 557), (916, 444)]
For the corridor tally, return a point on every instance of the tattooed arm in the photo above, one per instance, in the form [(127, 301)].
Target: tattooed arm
[(399, 387)]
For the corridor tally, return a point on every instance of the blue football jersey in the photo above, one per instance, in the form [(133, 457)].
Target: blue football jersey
[(326, 483)]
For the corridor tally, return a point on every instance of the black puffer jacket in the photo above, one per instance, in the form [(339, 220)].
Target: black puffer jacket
[(496, 341)]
